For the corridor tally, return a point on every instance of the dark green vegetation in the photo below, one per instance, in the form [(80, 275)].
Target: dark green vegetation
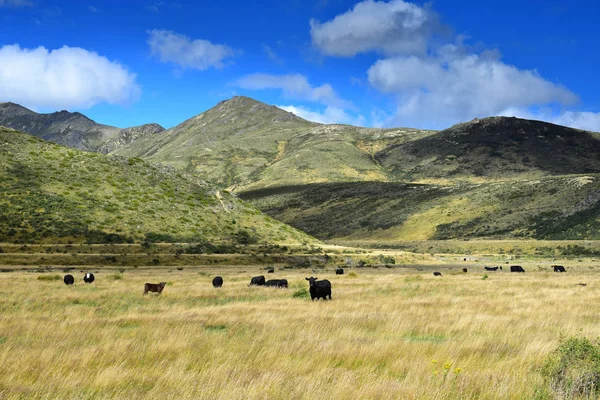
[(566, 207), (72, 129), (50, 193), (573, 369)]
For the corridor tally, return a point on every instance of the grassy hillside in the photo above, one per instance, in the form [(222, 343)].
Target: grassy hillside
[(242, 143), (497, 148), (55, 194), (566, 207)]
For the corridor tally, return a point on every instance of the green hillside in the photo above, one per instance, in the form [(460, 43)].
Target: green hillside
[(50, 193), (242, 143), (565, 207), (497, 148)]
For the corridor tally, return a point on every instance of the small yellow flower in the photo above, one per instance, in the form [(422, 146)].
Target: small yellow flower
[(434, 361), (435, 372), (457, 370), (447, 366)]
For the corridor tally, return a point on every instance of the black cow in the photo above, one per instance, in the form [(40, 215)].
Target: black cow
[(270, 271), (257, 281), (559, 268), (437, 274), (319, 289), (516, 268), (154, 287), (280, 283), (491, 268), (465, 270), (339, 271), (217, 281), (69, 280), (88, 278)]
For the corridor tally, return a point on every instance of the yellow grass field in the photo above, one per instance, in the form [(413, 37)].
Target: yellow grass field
[(395, 333)]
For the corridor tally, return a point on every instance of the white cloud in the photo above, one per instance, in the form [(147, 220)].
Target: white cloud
[(69, 77), (585, 120), (272, 55), (16, 3), (456, 87), (294, 86), (331, 115), (395, 27), (92, 9), (187, 53)]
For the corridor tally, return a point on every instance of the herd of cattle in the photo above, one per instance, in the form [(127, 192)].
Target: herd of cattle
[(513, 268), (318, 289)]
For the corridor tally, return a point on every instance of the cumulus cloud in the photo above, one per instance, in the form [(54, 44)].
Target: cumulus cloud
[(331, 115), (179, 49), (453, 87), (585, 120), (294, 86), (395, 27), (69, 77), (16, 3)]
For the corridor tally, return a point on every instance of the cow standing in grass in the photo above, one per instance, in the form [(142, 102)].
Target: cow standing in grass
[(257, 281), (559, 268), (339, 271), (437, 274), (319, 289), (280, 283), (89, 278), (217, 282), (69, 280), (516, 268), (153, 287)]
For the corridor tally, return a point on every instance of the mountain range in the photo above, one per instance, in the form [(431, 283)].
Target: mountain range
[(496, 177), (72, 129)]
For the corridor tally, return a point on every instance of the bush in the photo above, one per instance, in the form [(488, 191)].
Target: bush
[(573, 369)]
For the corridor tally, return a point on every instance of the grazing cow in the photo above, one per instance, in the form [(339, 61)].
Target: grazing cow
[(437, 274), (154, 287), (217, 281), (500, 268), (69, 280), (465, 270), (559, 268), (319, 289), (88, 278), (257, 281), (491, 268), (339, 271), (582, 284), (270, 271), (280, 283), (516, 268)]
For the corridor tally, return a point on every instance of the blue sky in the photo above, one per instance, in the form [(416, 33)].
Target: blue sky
[(369, 63)]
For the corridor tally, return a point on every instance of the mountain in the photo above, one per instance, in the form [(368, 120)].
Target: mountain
[(51, 193), (243, 144), (496, 148), (71, 129)]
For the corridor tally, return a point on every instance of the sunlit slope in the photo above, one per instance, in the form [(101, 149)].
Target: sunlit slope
[(52, 193), (243, 143), (566, 207)]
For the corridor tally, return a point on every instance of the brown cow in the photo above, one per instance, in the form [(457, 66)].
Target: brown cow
[(154, 287)]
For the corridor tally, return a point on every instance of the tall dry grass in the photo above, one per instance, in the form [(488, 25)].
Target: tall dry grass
[(378, 338)]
